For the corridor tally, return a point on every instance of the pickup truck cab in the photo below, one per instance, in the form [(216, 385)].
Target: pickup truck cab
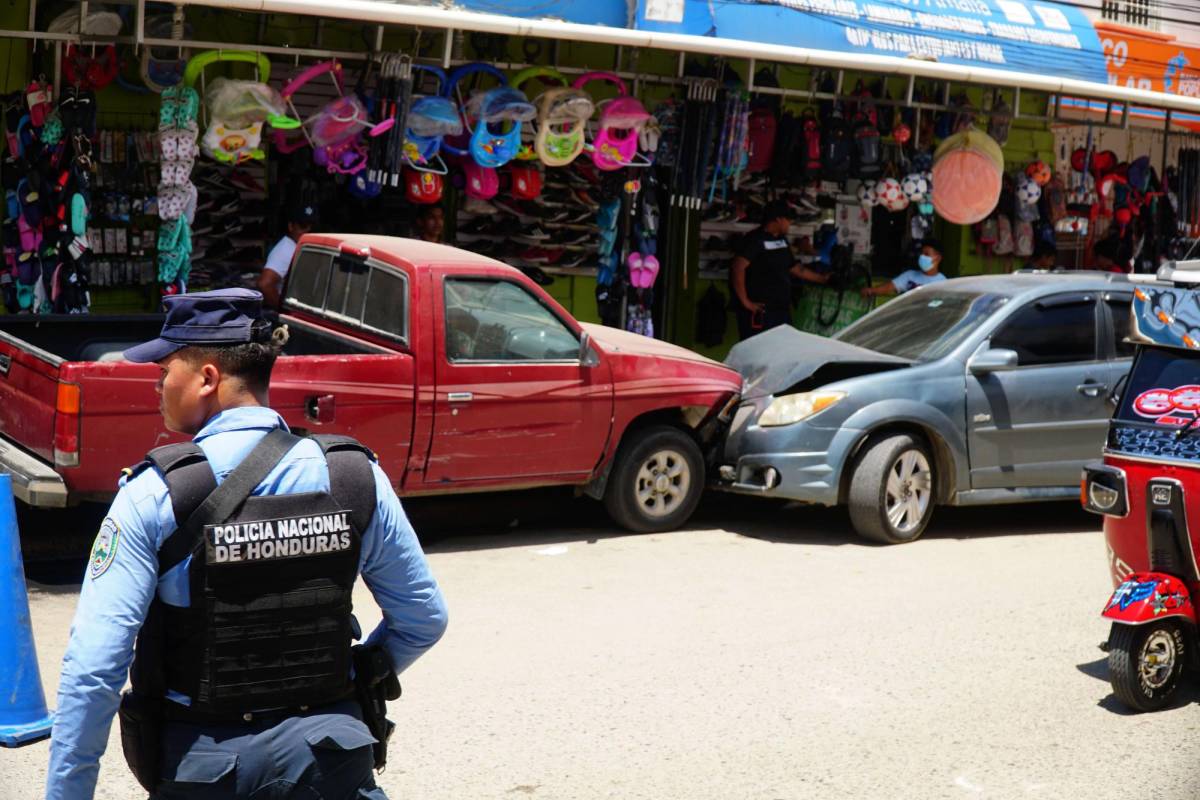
[(459, 371)]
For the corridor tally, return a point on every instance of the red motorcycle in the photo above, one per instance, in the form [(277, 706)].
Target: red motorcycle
[(1146, 486)]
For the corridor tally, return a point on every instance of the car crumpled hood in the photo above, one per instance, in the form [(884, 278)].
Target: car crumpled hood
[(782, 357)]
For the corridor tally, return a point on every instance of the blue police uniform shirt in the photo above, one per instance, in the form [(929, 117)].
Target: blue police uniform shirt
[(121, 581), (911, 279)]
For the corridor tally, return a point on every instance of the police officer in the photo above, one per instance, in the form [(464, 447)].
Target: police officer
[(243, 604)]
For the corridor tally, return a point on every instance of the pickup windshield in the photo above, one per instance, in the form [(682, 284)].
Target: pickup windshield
[(1161, 400), (923, 325)]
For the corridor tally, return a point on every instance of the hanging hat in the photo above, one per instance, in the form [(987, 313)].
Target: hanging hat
[(616, 141), (492, 109), (562, 114)]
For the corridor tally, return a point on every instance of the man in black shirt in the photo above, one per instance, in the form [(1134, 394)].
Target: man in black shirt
[(762, 273)]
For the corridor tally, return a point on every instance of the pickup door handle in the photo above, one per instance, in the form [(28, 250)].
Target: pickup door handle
[(319, 408), (460, 397), (1091, 389)]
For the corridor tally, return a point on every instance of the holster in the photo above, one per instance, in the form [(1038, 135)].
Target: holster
[(375, 683), (141, 736)]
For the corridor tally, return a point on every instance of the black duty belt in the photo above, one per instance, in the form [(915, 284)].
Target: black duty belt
[(176, 712)]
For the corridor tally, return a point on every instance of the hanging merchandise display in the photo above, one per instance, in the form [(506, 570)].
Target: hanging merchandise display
[(615, 144), (178, 129), (529, 133), (498, 115), (967, 172), (430, 120), (229, 141)]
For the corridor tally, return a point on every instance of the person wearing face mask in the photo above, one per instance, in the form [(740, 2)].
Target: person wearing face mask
[(929, 262)]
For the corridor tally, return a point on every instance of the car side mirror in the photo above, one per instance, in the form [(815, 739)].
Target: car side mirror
[(996, 359), (587, 356)]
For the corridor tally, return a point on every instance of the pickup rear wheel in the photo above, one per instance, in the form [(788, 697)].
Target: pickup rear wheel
[(656, 481), (891, 490)]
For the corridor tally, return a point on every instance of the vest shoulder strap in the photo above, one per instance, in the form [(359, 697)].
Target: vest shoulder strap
[(351, 479), (189, 480)]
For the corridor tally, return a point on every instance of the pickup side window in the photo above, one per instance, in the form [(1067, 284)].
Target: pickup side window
[(310, 277), (386, 308), (1055, 330), (361, 294), (495, 320)]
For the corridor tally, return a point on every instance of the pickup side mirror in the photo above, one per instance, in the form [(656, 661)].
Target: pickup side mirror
[(996, 359), (587, 356)]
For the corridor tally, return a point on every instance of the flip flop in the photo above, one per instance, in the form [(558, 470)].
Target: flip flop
[(649, 271), (634, 263)]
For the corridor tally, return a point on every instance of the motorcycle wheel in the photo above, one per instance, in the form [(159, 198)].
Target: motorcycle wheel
[(1145, 663)]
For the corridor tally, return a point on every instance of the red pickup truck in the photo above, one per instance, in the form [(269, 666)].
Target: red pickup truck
[(459, 371)]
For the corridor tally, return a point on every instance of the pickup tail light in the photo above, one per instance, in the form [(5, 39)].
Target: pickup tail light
[(66, 425), (1103, 490)]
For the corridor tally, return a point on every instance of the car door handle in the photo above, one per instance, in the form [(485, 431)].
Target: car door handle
[(460, 397), (1090, 389), (320, 408)]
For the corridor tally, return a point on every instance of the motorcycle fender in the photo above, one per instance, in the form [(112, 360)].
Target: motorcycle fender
[(1148, 596)]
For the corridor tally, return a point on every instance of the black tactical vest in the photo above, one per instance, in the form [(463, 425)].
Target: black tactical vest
[(270, 625)]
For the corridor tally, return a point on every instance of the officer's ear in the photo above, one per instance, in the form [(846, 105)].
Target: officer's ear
[(211, 378)]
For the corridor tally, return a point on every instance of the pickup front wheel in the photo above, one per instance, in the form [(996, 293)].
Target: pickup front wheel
[(656, 481)]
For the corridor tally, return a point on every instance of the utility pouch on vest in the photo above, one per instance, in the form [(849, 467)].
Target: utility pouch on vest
[(141, 736), (375, 683)]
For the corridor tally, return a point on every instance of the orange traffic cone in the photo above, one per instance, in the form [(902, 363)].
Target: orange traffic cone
[(23, 714)]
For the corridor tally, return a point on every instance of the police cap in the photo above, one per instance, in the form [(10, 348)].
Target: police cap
[(218, 318)]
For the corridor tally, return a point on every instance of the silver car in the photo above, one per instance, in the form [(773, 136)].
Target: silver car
[(991, 389)]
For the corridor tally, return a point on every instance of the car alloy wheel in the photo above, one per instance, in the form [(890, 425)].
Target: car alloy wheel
[(909, 491), (663, 482)]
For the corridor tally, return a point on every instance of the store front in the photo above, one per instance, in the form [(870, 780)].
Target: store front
[(618, 159)]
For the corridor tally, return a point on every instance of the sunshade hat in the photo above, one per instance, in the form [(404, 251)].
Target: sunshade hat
[(562, 114), (492, 109)]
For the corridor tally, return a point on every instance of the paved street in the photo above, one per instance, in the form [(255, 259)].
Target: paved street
[(764, 653)]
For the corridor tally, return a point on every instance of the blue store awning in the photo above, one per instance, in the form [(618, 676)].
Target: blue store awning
[(1015, 35)]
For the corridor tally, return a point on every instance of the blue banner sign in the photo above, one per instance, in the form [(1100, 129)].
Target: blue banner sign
[(1017, 35)]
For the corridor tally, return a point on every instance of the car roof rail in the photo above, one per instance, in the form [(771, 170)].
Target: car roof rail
[(1181, 273)]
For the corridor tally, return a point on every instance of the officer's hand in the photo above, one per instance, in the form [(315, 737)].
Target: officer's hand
[(753, 307)]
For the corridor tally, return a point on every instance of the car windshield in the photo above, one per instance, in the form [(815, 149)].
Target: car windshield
[(923, 325)]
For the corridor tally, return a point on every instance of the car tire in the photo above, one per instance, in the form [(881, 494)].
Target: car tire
[(1137, 683), (892, 490), (656, 480)]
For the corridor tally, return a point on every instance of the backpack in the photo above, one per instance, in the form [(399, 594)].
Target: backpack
[(867, 161), (1023, 239), (1004, 236), (836, 150), (762, 127), (1054, 200), (812, 147), (711, 317)]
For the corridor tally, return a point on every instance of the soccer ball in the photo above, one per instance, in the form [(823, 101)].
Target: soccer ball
[(915, 187), (1028, 192), (866, 194), (1039, 172), (891, 195)]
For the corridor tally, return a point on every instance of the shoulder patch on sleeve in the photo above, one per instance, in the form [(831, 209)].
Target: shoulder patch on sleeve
[(104, 550)]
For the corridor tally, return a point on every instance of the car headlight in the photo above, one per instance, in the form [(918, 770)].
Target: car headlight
[(792, 408)]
